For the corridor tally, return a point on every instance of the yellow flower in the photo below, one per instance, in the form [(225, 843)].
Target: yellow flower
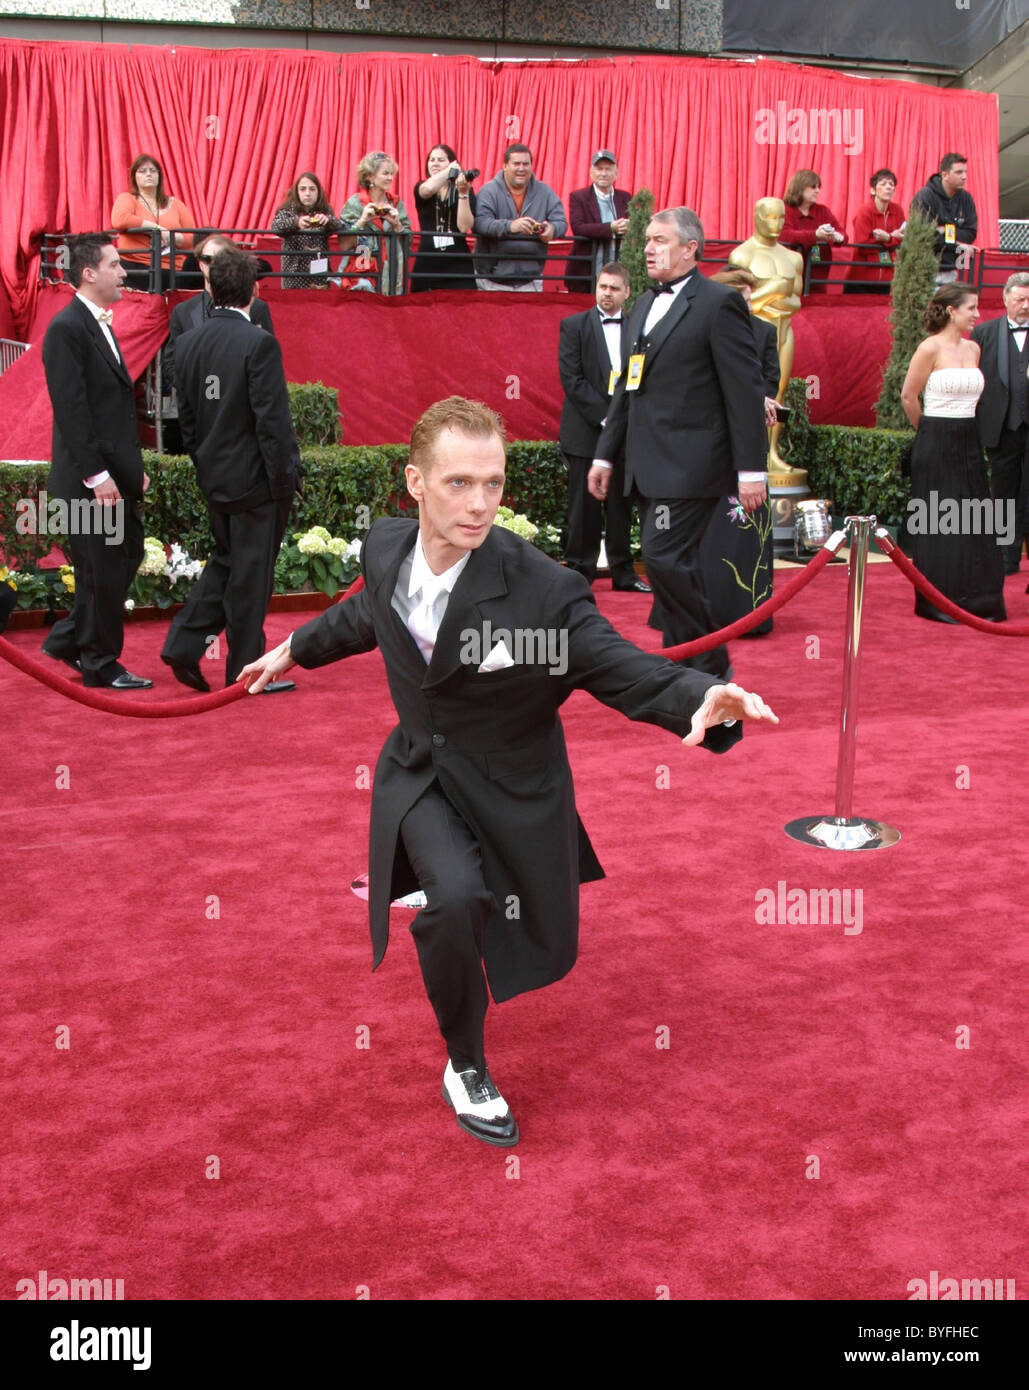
[(68, 580)]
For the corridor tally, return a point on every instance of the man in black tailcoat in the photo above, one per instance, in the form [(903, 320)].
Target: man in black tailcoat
[(484, 637)]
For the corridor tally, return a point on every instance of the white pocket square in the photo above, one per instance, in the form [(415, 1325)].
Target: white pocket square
[(499, 658)]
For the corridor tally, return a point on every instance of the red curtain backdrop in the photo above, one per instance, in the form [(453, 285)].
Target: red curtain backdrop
[(234, 128)]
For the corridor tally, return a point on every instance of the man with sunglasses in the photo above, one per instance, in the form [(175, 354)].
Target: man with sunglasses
[(191, 313)]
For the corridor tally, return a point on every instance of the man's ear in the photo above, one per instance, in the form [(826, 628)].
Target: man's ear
[(415, 481)]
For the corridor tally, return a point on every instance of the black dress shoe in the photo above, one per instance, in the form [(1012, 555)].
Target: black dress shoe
[(273, 687), (479, 1106), (638, 586), (187, 675), (68, 661), (126, 681)]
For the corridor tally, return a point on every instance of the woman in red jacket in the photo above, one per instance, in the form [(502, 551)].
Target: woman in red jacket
[(877, 231), (809, 223)]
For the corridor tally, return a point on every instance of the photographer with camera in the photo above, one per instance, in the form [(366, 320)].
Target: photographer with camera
[(445, 205), (373, 206), (517, 218)]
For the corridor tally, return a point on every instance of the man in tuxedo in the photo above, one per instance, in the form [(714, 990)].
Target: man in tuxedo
[(689, 413), (1002, 415), (96, 463), (192, 312), (484, 637), (234, 411), (590, 356), (595, 215)]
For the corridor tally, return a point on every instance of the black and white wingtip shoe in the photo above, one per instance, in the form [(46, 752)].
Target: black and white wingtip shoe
[(479, 1106)]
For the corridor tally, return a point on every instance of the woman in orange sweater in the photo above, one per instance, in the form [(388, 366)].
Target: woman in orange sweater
[(148, 207)]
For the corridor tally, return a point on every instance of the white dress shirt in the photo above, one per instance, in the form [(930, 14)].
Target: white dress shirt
[(96, 311), (661, 305), (613, 337), (1020, 331), (421, 597)]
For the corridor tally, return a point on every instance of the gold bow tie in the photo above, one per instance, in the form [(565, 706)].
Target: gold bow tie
[(106, 316)]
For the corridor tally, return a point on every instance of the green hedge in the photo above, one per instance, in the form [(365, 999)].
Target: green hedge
[(859, 469), (345, 489), (348, 486)]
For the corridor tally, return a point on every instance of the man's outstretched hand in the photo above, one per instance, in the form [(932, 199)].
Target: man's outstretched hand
[(724, 702), (266, 668)]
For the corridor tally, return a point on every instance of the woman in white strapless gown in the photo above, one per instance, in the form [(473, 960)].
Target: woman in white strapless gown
[(952, 543)]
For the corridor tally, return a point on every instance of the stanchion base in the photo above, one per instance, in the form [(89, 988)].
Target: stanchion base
[(834, 832)]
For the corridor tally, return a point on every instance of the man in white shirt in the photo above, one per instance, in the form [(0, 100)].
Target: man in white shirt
[(591, 353), (473, 799), (95, 459), (689, 412)]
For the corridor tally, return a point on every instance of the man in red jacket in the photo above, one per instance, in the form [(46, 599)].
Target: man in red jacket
[(595, 215)]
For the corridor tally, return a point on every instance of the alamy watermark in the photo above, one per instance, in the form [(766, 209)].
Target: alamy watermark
[(55, 516), (802, 907), (962, 516), (795, 125), (491, 649)]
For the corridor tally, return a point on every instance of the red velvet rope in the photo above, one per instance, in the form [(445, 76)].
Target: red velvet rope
[(98, 698), (942, 602), (174, 709), (760, 613)]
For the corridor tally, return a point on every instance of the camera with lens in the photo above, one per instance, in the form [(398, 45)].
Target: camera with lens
[(470, 174)]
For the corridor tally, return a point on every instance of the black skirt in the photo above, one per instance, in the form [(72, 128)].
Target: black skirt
[(954, 546)]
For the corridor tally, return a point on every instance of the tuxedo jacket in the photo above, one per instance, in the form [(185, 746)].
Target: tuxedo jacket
[(766, 341), (698, 416), (585, 367), (493, 740), (234, 412), (191, 313), (994, 362), (94, 404), (587, 227)]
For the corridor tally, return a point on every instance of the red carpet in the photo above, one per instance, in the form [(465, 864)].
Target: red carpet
[(183, 908)]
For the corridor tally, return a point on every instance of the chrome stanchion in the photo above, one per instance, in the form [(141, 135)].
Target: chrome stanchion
[(844, 830)]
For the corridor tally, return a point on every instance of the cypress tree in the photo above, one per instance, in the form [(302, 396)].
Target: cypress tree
[(914, 284), (632, 254)]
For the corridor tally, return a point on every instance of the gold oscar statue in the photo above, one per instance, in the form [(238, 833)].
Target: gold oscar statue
[(775, 298)]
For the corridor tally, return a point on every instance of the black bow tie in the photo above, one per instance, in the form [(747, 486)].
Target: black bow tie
[(667, 286), (605, 322), (1018, 328)]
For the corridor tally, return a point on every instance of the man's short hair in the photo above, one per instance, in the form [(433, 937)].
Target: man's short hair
[(1018, 281), (948, 161), (516, 149), (233, 275), (617, 269), (882, 174), (225, 243), (455, 413), (687, 226), (85, 250)]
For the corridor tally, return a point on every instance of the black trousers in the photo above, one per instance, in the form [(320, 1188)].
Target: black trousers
[(1009, 471), (93, 631), (448, 931), (672, 531), (588, 519), (232, 593)]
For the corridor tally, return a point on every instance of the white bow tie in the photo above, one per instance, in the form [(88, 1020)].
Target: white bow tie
[(106, 316)]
